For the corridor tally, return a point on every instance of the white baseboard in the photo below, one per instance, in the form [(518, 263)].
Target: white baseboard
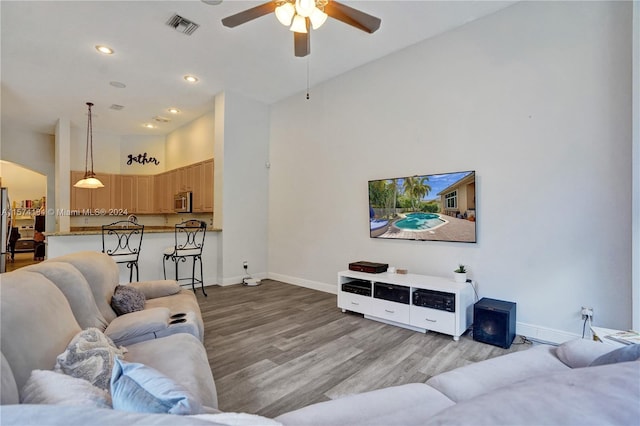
[(315, 285), (238, 279), (544, 334)]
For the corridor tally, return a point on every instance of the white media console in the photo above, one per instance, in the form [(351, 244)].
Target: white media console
[(390, 298)]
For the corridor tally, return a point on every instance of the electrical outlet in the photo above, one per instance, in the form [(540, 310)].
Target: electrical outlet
[(245, 265), (587, 313)]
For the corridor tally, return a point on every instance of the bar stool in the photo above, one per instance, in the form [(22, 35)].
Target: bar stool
[(189, 241), (122, 240)]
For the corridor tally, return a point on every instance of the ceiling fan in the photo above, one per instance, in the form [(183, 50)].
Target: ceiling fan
[(300, 15)]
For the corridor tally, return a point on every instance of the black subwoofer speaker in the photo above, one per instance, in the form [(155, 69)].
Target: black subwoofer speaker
[(494, 322)]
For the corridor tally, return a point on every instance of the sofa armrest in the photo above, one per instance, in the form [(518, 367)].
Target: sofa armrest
[(156, 288), (133, 326)]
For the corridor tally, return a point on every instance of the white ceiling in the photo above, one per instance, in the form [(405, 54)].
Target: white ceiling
[(50, 68)]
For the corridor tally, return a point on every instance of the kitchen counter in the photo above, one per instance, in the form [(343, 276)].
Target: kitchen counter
[(97, 230)]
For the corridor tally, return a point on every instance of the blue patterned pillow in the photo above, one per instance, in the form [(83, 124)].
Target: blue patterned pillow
[(136, 387), (127, 299)]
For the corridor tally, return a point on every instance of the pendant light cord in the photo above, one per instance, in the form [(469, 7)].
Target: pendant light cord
[(89, 143)]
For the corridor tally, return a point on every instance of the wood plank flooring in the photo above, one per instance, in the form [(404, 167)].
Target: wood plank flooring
[(278, 347)]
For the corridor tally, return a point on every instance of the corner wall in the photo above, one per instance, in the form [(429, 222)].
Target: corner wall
[(537, 99)]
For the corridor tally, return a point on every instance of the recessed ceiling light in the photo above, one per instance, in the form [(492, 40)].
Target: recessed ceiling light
[(149, 126), (117, 84), (161, 119), (212, 2), (104, 49), (191, 78), (173, 110)]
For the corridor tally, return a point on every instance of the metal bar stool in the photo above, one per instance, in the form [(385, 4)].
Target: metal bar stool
[(122, 240), (189, 241)]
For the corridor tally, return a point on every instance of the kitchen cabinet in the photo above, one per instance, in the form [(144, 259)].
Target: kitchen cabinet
[(146, 193), (85, 200)]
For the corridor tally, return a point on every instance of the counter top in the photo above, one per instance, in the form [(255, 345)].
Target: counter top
[(97, 230)]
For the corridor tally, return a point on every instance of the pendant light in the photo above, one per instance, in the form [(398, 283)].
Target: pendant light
[(89, 181)]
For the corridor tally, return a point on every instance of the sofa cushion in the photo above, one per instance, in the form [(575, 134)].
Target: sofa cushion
[(137, 387), (49, 387), (75, 288), (578, 353), (37, 323), (181, 357), (102, 274), (127, 299), (603, 395), (9, 390), (90, 355), (138, 326), (396, 405), (158, 288), (475, 379), (624, 354)]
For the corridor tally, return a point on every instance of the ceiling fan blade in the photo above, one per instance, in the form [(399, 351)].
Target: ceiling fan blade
[(353, 17), (301, 44), (249, 14)]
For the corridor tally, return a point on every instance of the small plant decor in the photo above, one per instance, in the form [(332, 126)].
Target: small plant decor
[(461, 269)]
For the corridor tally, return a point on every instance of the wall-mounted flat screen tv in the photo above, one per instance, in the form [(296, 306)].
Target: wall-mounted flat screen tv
[(438, 207)]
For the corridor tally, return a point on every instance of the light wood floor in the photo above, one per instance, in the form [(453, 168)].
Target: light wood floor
[(278, 347)]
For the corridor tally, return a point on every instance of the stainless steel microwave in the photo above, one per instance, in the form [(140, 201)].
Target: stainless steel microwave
[(182, 202)]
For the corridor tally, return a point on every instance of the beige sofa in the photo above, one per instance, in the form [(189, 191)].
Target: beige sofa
[(44, 307), (88, 280)]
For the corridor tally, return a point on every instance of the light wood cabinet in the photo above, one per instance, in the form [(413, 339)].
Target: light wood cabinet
[(84, 200), (146, 193)]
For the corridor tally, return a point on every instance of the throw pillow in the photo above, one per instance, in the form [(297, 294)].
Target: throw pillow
[(127, 299), (90, 356), (137, 387), (578, 353), (624, 354), (49, 387)]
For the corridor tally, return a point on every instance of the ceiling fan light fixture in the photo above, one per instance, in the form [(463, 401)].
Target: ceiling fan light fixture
[(285, 13), (299, 24), (305, 7), (317, 18)]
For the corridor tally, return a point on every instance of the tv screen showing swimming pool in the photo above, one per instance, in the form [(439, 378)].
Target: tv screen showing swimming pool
[(438, 207)]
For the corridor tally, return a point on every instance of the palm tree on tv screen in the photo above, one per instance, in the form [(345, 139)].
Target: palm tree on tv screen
[(416, 188)]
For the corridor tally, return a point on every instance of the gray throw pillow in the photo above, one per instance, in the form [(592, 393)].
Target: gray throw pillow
[(127, 299), (90, 356), (624, 354)]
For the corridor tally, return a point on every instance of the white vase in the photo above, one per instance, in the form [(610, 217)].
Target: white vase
[(460, 277)]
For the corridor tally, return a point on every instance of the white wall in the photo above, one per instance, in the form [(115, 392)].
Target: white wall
[(23, 183), (191, 143), (245, 135), (536, 98), (136, 145), (34, 151), (106, 151)]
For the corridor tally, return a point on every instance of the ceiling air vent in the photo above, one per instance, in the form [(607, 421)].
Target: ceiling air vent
[(161, 119), (182, 25), (116, 107)]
